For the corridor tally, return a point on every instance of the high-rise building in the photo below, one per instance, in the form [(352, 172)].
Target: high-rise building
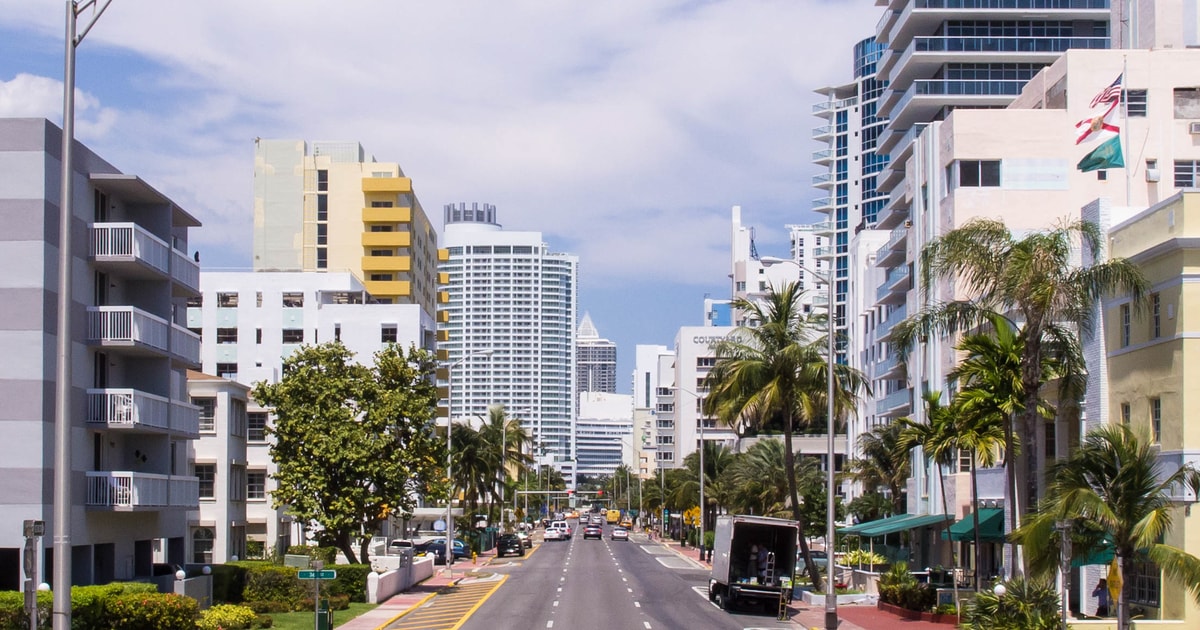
[(129, 417), (595, 359), (508, 294), (604, 434), (329, 207), (754, 275)]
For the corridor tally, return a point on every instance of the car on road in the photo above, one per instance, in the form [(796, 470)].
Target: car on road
[(593, 531), (437, 547), (627, 524), (596, 519), (564, 527), (525, 539), (553, 533), (620, 533), (509, 544)]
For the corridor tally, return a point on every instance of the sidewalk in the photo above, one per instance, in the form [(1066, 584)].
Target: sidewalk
[(420, 593)]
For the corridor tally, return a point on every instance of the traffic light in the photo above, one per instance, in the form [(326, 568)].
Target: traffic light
[(570, 493), (600, 494)]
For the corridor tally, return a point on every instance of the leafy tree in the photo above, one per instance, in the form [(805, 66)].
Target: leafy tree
[(352, 443), (871, 506), (879, 467), (778, 370), (1032, 281), (1114, 481)]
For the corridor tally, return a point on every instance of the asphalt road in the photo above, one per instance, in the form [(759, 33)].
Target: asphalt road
[(608, 585)]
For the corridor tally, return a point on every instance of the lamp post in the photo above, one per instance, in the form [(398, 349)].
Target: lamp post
[(831, 614), (450, 451), (62, 388), (700, 539)]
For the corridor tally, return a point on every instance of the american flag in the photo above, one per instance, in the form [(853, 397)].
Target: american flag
[(1110, 94)]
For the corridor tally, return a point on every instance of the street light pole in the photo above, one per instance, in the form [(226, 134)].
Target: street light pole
[(450, 450), (700, 539)]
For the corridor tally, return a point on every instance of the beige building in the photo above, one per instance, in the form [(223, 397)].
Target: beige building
[(327, 206), (1150, 355)]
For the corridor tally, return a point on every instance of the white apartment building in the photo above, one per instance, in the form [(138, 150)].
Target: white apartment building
[(219, 530), (595, 359), (682, 389), (753, 275), (129, 416), (649, 426), (509, 295), (250, 322), (604, 434)]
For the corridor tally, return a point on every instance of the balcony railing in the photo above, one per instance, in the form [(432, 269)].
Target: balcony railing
[(123, 489), (983, 43), (185, 418), (884, 366), (823, 178), (1013, 4), (185, 344), (128, 408), (128, 242), (127, 325), (894, 400), (185, 271), (823, 203), (824, 106)]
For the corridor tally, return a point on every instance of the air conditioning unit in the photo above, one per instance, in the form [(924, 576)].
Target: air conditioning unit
[(1153, 175), (1194, 128)]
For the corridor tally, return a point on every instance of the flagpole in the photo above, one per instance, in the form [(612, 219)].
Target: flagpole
[(1128, 131)]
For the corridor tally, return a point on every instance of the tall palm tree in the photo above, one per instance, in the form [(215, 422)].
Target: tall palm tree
[(879, 466), (504, 445), (937, 438), (777, 371), (1114, 480), (1035, 283)]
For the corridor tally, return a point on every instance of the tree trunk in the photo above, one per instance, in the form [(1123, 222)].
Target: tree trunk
[(789, 465), (946, 511), (975, 511), (343, 544)]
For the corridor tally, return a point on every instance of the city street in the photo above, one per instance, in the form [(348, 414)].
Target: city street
[(609, 585)]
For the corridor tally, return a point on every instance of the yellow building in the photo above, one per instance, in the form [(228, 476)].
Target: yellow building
[(1151, 353), (327, 206)]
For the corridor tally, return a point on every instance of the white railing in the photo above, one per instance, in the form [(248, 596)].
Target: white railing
[(127, 407), (129, 241), (127, 325), (892, 401), (131, 490), (184, 270), (185, 417), (185, 343)]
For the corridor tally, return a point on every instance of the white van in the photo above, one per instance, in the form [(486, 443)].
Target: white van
[(563, 528)]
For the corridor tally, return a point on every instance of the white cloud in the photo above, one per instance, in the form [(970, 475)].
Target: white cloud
[(624, 130)]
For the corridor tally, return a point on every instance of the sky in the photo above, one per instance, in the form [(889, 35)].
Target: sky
[(622, 130)]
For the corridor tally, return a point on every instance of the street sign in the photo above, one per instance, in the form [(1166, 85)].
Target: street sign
[(327, 574)]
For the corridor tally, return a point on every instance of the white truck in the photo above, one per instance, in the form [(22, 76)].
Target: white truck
[(754, 558)]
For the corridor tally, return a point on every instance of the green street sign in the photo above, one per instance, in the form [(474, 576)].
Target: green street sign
[(327, 574)]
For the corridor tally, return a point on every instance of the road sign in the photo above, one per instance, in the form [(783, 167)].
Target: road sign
[(327, 574)]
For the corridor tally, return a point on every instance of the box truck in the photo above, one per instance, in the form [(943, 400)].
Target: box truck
[(754, 558)]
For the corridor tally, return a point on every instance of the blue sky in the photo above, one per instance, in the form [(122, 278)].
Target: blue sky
[(624, 131)]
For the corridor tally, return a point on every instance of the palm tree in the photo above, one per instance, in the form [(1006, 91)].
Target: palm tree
[(503, 444), (1035, 283), (1026, 604), (879, 467), (1114, 480), (777, 371)]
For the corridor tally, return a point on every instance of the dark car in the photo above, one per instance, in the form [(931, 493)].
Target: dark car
[(593, 531), (438, 549), (509, 544)]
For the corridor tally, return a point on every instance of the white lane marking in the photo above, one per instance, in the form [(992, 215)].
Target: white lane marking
[(550, 624), (637, 604), (624, 579), (560, 589), (556, 603), (629, 589), (647, 624)]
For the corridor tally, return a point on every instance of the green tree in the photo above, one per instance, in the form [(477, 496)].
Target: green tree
[(879, 466), (1034, 282), (352, 443), (502, 443), (938, 440), (777, 370), (870, 506), (1114, 481)]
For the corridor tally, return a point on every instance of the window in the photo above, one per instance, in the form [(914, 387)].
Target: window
[(1126, 413), (322, 233), (322, 207), (979, 173), (256, 485), (387, 333), (1124, 325), (293, 335), (1135, 102), (195, 302), (1155, 316), (227, 300), (227, 370), (1146, 583), (322, 180), (227, 335), (258, 299), (322, 258), (202, 545), (383, 252), (1187, 103), (258, 336), (256, 426), (381, 228), (382, 204), (293, 300), (237, 483), (1156, 418), (381, 277), (1187, 173), (237, 418), (207, 474), (337, 332), (208, 413)]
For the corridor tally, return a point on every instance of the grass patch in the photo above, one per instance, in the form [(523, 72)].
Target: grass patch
[(304, 620)]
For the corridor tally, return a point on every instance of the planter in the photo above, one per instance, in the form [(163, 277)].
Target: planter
[(916, 615), (818, 599)]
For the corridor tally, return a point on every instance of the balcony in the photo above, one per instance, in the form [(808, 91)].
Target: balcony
[(185, 345), (823, 157), (394, 214), (898, 401), (823, 228), (133, 491), (827, 107), (824, 132), (129, 327), (392, 264), (386, 239), (895, 284), (824, 252), (389, 288), (135, 411), (824, 180), (186, 273), (129, 249), (893, 251), (884, 330), (387, 185), (824, 204), (887, 368)]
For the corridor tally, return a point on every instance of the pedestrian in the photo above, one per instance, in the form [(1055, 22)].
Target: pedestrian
[(752, 563), (1101, 594)]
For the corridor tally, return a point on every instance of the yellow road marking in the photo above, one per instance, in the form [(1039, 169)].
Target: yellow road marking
[(499, 583)]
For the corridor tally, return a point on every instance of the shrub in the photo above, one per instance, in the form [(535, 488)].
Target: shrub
[(351, 581), (1028, 604), (12, 610), (899, 588), (272, 583), (256, 549), (862, 556), (229, 582), (264, 621), (226, 617), (326, 554), (946, 609), (151, 611)]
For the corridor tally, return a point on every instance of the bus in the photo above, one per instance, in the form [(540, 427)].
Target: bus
[(613, 517)]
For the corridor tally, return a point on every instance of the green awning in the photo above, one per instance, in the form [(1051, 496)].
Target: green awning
[(991, 527), (857, 529), (892, 525)]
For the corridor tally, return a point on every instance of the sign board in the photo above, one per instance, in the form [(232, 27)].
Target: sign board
[(439, 525), (327, 574)]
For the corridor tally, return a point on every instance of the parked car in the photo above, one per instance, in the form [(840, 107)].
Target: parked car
[(526, 540), (396, 547), (438, 549), (620, 533), (818, 557), (593, 531), (509, 544)]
